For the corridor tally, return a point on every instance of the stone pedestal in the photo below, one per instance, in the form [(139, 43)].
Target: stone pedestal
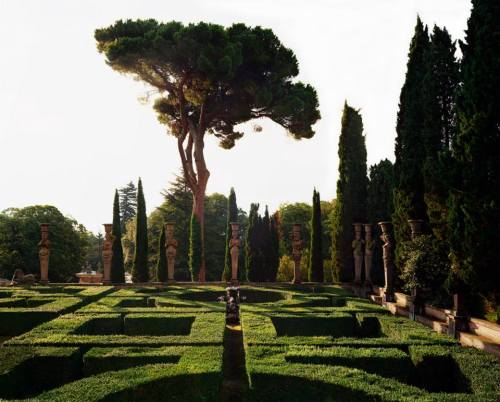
[(458, 321), (171, 250), (44, 253), (388, 256), (369, 246), (90, 278), (107, 253), (234, 249), (357, 250), (297, 246)]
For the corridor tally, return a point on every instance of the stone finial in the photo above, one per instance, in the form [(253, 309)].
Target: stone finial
[(107, 252), (44, 252), (388, 260), (234, 247), (297, 246), (357, 250), (171, 250)]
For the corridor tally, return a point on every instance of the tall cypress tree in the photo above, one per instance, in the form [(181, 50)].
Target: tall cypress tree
[(140, 271), (252, 258), (117, 265), (274, 244), (350, 206), (410, 149), (316, 248), (475, 206), (380, 208), (194, 247), (161, 265), (439, 127), (232, 216), (266, 246)]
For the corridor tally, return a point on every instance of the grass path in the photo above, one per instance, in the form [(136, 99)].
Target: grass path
[(235, 383)]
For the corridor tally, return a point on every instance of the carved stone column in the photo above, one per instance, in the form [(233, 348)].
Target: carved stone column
[(416, 227), (171, 250), (44, 253), (388, 261), (369, 246), (357, 250), (297, 245), (234, 248), (107, 253)]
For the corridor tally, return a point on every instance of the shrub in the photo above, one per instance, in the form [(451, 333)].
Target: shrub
[(157, 325)]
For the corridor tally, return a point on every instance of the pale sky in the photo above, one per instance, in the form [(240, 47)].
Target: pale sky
[(72, 129)]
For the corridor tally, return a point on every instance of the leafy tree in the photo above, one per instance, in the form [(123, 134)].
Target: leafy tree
[(439, 127), (232, 216), (161, 267), (128, 204), (128, 245), (289, 214), (410, 146), (380, 208), (209, 80), (117, 263), (20, 234), (350, 206), (315, 248), (475, 201), (140, 270), (215, 229), (94, 254)]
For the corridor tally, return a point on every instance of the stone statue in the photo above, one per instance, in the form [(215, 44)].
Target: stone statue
[(171, 250), (107, 252), (357, 248), (20, 278), (234, 248), (369, 246), (44, 253), (388, 261), (297, 245)]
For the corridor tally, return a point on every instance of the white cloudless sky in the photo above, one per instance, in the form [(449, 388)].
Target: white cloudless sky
[(72, 130)]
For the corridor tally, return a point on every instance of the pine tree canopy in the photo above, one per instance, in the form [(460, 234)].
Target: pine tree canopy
[(128, 203)]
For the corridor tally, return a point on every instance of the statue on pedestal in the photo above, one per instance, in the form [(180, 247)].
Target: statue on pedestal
[(107, 252), (297, 246), (171, 250), (234, 249), (357, 248), (388, 257), (44, 253)]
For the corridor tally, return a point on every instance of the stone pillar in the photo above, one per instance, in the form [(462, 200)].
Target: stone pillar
[(388, 261), (107, 253), (297, 245), (171, 250), (357, 250), (458, 321), (416, 227), (369, 246), (234, 247), (44, 253)]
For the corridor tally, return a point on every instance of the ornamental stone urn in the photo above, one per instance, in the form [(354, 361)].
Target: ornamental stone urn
[(388, 257), (44, 253), (415, 227), (107, 253), (234, 249), (369, 246), (170, 250), (357, 250), (297, 245)]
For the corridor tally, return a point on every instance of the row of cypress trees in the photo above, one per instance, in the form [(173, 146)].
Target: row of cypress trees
[(140, 272)]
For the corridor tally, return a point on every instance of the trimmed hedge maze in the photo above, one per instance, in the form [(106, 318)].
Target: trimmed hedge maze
[(295, 344), (350, 350)]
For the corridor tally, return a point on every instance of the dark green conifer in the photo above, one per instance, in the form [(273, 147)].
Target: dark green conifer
[(161, 265), (475, 206), (232, 216), (410, 149), (140, 271), (265, 247), (350, 206), (252, 252), (117, 264), (274, 244), (316, 248)]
